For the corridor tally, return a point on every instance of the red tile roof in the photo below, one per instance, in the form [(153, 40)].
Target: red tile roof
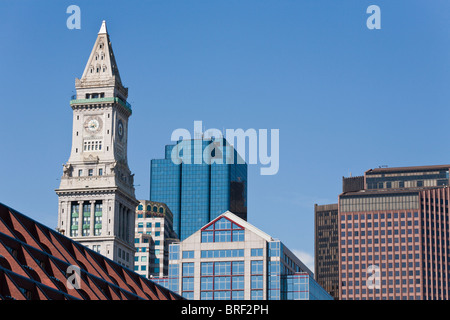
[(35, 264)]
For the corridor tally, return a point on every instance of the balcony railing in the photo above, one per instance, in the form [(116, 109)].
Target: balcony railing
[(96, 100)]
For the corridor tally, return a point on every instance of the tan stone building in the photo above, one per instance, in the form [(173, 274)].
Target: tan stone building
[(96, 194), (153, 235)]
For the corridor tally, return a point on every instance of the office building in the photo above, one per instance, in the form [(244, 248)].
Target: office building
[(394, 235), (326, 248), (196, 191), (96, 201), (38, 263), (230, 259), (153, 234)]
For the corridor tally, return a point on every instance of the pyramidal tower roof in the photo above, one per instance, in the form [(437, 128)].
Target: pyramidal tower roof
[(101, 68), (103, 28)]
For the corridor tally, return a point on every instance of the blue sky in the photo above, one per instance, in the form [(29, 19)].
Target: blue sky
[(345, 98)]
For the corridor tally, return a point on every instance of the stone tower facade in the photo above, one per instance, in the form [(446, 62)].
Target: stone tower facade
[(96, 196)]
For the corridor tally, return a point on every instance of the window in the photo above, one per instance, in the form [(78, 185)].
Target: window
[(222, 268), (222, 280), (92, 145), (257, 267), (256, 284), (222, 253), (188, 279), (74, 214), (223, 230), (174, 252), (274, 249), (90, 172), (188, 254), (257, 252), (206, 283), (100, 172), (80, 173), (222, 283)]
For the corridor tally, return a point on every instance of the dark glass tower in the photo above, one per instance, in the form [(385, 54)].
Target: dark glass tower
[(197, 192)]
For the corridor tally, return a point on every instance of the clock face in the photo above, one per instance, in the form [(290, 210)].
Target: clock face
[(120, 129), (93, 124)]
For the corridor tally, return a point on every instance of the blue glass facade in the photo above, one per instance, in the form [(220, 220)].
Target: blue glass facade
[(195, 191), (287, 281)]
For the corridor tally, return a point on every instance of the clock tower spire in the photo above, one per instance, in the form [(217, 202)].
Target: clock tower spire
[(96, 194)]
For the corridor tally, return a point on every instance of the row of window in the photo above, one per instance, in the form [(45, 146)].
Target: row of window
[(92, 145), (223, 236), (90, 172), (86, 219), (223, 280), (147, 240), (363, 216), (153, 270), (149, 224), (222, 230), (382, 224), (150, 208), (144, 249), (95, 95), (97, 69)]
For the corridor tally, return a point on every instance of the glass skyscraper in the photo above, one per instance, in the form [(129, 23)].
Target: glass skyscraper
[(198, 190)]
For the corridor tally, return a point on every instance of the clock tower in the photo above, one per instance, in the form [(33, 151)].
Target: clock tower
[(96, 194)]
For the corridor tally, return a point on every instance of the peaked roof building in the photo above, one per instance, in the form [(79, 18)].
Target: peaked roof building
[(101, 69), (230, 259), (38, 263)]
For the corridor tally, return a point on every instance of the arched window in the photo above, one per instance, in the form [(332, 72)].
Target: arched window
[(161, 210), (155, 208), (140, 207), (149, 208)]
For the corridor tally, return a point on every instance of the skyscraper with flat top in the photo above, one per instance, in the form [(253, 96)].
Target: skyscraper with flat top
[(197, 191), (326, 248), (393, 235)]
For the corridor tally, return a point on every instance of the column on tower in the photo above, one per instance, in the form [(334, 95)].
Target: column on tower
[(91, 228), (120, 221), (127, 215), (80, 218)]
